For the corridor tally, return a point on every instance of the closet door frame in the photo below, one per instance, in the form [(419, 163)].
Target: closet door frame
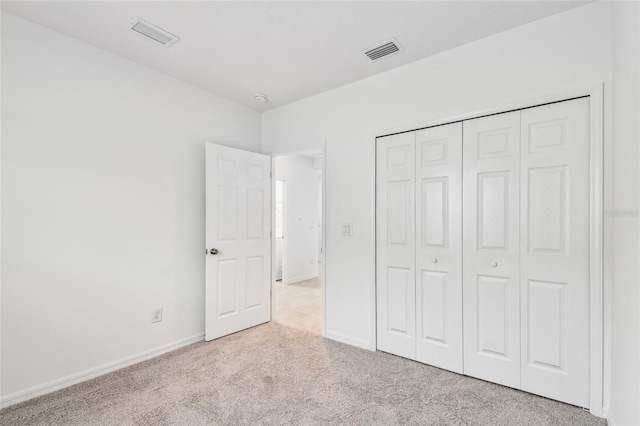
[(599, 237)]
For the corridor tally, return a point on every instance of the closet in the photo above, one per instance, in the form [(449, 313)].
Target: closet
[(482, 248)]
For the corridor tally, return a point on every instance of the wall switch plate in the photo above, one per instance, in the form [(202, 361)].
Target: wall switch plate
[(347, 229), (156, 314)]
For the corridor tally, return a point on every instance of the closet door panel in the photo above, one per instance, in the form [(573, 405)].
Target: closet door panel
[(491, 187), (395, 244), (439, 250), (555, 251)]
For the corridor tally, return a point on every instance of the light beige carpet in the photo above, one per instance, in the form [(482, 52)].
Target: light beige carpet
[(274, 375)]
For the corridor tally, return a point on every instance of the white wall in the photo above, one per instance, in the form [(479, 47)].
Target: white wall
[(302, 216), (549, 56), (102, 205), (625, 338)]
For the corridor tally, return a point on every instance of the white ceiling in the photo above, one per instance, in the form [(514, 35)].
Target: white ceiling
[(287, 50)]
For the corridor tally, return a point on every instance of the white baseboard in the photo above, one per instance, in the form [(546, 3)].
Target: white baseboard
[(91, 373), (301, 278), (349, 340)]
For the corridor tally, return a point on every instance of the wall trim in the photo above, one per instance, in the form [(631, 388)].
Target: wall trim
[(349, 340), (301, 278), (597, 237), (94, 372), (596, 250), (323, 255), (272, 259)]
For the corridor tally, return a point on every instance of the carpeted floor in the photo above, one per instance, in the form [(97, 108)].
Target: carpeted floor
[(274, 375)]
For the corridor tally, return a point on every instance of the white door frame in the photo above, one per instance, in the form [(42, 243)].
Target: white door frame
[(597, 238), (323, 219), (284, 227)]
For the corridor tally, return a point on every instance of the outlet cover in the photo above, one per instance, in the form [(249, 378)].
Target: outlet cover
[(156, 314)]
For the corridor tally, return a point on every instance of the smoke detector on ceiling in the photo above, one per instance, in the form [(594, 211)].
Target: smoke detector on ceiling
[(154, 32), (260, 98), (383, 50)]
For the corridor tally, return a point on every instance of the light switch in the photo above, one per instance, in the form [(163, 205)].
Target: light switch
[(347, 229)]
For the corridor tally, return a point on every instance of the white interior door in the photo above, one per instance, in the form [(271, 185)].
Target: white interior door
[(491, 189), (439, 250), (395, 244), (554, 229), (238, 223)]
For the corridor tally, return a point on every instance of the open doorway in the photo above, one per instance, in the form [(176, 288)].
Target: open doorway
[(298, 260)]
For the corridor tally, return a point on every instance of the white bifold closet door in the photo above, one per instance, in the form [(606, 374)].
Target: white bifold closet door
[(419, 256), (395, 241), (439, 250), (526, 250), (482, 238), (554, 251), (491, 248)]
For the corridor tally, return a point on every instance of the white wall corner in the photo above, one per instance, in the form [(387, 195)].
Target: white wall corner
[(605, 415)]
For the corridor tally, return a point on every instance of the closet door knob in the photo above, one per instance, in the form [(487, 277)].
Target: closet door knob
[(434, 260), (494, 264)]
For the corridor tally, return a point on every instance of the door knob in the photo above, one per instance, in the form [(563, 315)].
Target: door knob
[(494, 264), (213, 251), (435, 260)]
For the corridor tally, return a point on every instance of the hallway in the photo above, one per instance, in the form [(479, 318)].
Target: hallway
[(299, 305)]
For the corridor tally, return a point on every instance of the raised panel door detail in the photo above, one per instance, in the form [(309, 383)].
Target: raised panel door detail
[(434, 152), (398, 157), (255, 172), (254, 276), (546, 324), (555, 261), (493, 143), (548, 135), (395, 244), (397, 212), (398, 282), (435, 212), (227, 167), (438, 254), (493, 193), (491, 246), (434, 303), (255, 206), (493, 316), (227, 213), (228, 288), (548, 209)]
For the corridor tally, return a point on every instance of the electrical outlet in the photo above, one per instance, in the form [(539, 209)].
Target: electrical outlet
[(156, 314), (347, 229)]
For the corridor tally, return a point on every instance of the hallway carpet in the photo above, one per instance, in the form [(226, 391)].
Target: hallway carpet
[(273, 375)]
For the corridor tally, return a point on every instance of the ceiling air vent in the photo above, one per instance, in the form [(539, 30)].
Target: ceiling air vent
[(153, 32), (382, 50)]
